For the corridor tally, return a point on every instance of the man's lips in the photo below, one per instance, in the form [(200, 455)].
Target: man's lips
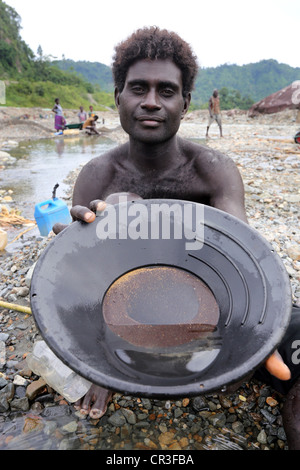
[(150, 118), (150, 121)]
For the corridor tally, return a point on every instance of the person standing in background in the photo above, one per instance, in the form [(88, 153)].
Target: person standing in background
[(82, 115), (59, 122), (214, 112), (91, 111)]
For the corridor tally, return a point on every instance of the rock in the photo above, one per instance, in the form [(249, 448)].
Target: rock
[(4, 405), (20, 404), (281, 434), (218, 419), (262, 437), (129, 415), (55, 412), (294, 252), (32, 424), (178, 412), (3, 382), (23, 291), (166, 438), (225, 401), (2, 354), (269, 416), (4, 155), (35, 388), (70, 427), (199, 403), (4, 337), (18, 380), (237, 427), (117, 418), (271, 401), (6, 396)]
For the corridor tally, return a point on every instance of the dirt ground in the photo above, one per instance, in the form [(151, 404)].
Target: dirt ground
[(17, 124)]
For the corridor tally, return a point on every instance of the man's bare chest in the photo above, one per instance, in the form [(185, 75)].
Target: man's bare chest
[(182, 183)]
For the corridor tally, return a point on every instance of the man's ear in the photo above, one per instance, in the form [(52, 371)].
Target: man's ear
[(117, 96), (186, 105)]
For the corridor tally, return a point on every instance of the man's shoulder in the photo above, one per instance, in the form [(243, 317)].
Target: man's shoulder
[(201, 152), (207, 160)]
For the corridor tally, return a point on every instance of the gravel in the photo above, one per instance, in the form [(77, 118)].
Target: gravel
[(248, 419)]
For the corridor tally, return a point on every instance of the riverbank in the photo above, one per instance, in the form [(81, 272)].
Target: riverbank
[(34, 416)]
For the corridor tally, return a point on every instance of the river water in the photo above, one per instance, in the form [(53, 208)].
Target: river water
[(41, 164)]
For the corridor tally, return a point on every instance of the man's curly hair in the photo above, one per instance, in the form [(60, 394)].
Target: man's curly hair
[(154, 43)]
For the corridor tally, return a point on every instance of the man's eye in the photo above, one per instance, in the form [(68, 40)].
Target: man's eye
[(167, 92), (137, 89)]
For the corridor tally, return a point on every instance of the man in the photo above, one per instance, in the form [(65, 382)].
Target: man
[(90, 125), (82, 116), (91, 111), (214, 112), (154, 72)]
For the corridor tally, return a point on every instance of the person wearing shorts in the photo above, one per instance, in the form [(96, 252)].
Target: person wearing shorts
[(214, 112)]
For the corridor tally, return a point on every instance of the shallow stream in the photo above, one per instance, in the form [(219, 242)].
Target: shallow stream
[(41, 164)]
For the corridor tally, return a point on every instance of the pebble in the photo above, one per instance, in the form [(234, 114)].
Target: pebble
[(250, 418)]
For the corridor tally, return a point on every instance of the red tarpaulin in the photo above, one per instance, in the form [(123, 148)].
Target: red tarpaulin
[(287, 98)]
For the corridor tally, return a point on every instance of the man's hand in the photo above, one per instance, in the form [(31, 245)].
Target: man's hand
[(88, 215), (275, 366), (82, 213)]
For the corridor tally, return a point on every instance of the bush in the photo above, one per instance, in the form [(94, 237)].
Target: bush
[(24, 88)]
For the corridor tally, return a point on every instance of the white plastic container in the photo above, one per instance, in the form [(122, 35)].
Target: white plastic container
[(3, 239), (43, 362)]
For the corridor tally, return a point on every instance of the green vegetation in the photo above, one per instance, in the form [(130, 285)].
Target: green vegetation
[(232, 99), (14, 53), (251, 81), (239, 86), (33, 80), (93, 72)]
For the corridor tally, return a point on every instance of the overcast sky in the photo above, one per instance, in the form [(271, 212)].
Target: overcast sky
[(220, 31)]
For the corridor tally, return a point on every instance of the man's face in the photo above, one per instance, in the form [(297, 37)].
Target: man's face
[(151, 104)]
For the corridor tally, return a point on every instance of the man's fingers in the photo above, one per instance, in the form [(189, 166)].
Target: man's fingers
[(275, 366), (82, 213), (58, 227), (98, 205)]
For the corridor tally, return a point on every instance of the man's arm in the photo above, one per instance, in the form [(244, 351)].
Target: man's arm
[(229, 197), (210, 107), (226, 188)]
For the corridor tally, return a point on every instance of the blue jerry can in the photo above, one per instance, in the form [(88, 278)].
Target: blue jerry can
[(48, 213)]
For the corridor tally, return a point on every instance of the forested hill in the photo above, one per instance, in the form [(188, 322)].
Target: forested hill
[(15, 55), (33, 80), (248, 83), (93, 72), (256, 80)]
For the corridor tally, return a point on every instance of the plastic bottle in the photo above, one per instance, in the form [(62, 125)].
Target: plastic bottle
[(43, 362)]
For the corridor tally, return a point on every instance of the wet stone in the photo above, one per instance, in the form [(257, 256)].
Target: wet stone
[(21, 404), (117, 419), (262, 437), (53, 412), (199, 403)]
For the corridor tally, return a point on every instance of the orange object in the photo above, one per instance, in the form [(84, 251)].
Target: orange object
[(275, 365)]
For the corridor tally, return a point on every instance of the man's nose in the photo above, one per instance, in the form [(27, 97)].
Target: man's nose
[(151, 100)]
